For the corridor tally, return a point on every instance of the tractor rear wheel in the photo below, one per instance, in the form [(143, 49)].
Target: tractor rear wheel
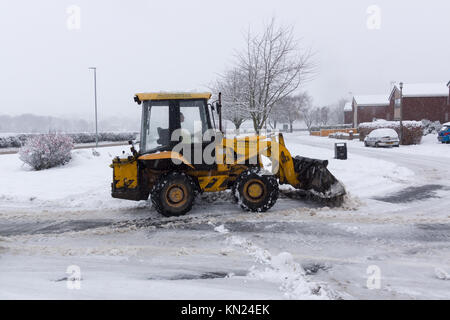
[(173, 194), (256, 191)]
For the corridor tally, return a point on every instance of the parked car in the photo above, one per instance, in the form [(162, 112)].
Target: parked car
[(444, 133), (382, 138)]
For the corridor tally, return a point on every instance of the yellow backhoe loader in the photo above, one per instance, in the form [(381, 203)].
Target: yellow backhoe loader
[(182, 153)]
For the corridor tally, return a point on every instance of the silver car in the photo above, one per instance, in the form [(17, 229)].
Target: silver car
[(382, 138)]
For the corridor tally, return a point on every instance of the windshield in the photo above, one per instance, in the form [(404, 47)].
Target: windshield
[(445, 128)]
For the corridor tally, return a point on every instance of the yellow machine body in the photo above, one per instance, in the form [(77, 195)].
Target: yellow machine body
[(126, 175)]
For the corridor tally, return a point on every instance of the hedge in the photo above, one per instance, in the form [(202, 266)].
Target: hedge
[(17, 141)]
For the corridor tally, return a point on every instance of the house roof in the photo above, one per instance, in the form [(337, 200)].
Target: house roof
[(372, 100), (438, 89), (348, 106)]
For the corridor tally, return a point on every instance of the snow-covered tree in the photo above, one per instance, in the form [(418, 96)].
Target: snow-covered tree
[(324, 115), (232, 84), (274, 66), (309, 115), (293, 105), (276, 115)]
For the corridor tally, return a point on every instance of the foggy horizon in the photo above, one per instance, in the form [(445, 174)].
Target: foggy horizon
[(143, 46)]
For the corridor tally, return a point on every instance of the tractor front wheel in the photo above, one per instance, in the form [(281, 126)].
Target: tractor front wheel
[(173, 194), (256, 191)]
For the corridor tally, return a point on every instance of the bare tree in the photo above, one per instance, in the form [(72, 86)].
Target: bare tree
[(232, 84), (289, 109), (308, 113), (276, 115), (323, 115), (336, 112), (274, 67)]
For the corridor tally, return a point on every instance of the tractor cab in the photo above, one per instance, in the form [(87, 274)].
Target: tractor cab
[(172, 118), (176, 128)]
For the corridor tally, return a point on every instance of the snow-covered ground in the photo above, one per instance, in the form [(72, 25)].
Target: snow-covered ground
[(83, 184), (395, 220)]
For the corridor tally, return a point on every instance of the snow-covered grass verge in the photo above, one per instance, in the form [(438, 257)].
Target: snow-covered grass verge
[(82, 184)]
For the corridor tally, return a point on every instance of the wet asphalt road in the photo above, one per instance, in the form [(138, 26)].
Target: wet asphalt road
[(439, 232)]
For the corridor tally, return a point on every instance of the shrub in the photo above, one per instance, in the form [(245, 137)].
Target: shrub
[(46, 151), (430, 127), (412, 130)]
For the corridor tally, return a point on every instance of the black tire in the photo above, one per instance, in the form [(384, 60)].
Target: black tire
[(266, 186), (173, 194), (377, 145), (366, 144)]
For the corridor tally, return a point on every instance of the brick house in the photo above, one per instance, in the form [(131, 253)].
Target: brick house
[(348, 113), (421, 101), (366, 108)]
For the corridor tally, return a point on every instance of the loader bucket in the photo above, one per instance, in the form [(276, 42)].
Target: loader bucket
[(315, 178)]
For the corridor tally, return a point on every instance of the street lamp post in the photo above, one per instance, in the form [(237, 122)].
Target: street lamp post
[(401, 112), (95, 97)]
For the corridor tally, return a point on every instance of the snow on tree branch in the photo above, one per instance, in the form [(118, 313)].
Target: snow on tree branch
[(271, 67)]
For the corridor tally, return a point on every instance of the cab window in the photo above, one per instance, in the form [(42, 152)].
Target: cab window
[(193, 119), (155, 127)]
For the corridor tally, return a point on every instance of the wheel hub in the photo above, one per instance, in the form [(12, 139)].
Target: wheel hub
[(254, 190), (175, 194)]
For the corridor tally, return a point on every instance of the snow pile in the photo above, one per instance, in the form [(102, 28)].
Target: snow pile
[(221, 229), (441, 274), (282, 269), (46, 151)]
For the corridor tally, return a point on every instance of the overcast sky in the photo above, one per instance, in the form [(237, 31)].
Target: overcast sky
[(148, 45)]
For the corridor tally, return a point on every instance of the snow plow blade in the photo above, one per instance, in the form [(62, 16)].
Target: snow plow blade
[(317, 182)]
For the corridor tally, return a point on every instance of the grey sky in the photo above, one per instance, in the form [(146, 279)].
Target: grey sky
[(141, 45)]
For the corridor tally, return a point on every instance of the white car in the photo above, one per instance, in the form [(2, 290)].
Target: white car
[(382, 138)]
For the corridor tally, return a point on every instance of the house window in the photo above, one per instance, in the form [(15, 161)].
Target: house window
[(397, 102)]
